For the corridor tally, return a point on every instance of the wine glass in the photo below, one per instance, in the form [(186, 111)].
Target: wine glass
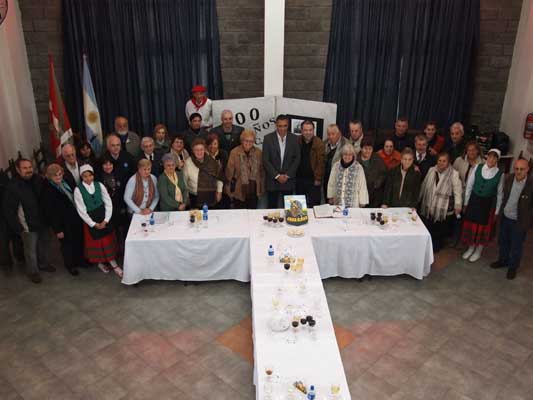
[(292, 337), (311, 328), (335, 391)]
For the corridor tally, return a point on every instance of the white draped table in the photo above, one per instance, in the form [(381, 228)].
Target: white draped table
[(234, 246)]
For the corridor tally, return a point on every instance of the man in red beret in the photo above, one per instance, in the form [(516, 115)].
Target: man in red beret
[(201, 104)]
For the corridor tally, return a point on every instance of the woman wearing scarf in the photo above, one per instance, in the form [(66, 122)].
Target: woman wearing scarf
[(441, 196), (390, 157), (141, 194), (95, 209), (60, 210), (203, 177), (402, 186), (221, 157), (178, 151), (347, 183), (483, 198), (173, 194), (244, 173)]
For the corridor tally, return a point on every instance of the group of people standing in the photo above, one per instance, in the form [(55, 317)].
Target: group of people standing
[(88, 202)]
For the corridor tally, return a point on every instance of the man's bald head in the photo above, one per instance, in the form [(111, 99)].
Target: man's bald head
[(68, 153), (521, 168)]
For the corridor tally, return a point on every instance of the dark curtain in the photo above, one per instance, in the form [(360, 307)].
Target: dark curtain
[(144, 57), (440, 42), (401, 57)]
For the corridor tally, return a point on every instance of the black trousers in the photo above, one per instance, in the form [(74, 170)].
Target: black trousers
[(9, 241), (275, 198), (439, 231), (72, 247), (313, 193)]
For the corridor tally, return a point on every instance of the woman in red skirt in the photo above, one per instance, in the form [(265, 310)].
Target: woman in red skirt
[(95, 208), (483, 198)]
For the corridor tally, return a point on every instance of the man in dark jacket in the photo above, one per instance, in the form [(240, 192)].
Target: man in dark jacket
[(402, 186), (195, 131), (517, 206), (375, 172), (149, 152), (423, 159), (229, 135), (124, 165), (454, 144), (312, 162), (401, 137), (281, 157), (22, 211)]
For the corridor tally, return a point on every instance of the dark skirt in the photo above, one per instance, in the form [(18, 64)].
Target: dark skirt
[(475, 234), (104, 249)]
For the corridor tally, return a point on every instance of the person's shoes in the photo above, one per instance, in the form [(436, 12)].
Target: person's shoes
[(35, 277), (469, 252), (511, 274), (48, 268), (476, 255), (498, 264), (73, 271)]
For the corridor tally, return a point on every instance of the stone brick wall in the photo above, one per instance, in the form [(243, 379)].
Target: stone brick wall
[(241, 26), (41, 23), (499, 24)]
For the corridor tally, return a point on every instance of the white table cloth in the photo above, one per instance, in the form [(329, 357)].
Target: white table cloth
[(314, 362), (179, 252), (353, 247)]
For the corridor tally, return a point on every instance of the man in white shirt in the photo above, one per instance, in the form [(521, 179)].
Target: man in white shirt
[(70, 165), (149, 152), (201, 104), (281, 157)]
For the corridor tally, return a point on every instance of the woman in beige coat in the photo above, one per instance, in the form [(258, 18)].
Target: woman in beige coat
[(244, 173)]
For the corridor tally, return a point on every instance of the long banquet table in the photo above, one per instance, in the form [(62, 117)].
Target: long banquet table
[(234, 246)]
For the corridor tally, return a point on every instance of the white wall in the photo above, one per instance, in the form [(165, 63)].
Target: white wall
[(519, 96), (274, 47), (19, 127)]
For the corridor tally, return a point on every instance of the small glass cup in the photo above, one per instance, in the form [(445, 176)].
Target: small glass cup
[(335, 391)]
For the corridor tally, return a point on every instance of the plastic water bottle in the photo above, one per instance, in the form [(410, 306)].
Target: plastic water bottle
[(152, 222), (205, 215), (270, 254), (311, 395)]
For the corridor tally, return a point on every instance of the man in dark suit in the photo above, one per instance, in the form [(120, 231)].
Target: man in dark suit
[(423, 160), (70, 164), (149, 152), (281, 157), (517, 206), (229, 135)]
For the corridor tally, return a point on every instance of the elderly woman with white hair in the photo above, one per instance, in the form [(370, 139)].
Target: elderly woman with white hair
[(347, 183), (173, 194)]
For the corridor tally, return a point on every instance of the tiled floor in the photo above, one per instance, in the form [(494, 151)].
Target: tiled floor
[(465, 332)]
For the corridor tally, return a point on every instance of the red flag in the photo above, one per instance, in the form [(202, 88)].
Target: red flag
[(60, 131)]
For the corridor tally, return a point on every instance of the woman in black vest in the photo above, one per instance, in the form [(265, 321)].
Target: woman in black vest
[(483, 198)]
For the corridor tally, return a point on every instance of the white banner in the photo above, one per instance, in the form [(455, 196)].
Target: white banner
[(255, 113), (259, 114)]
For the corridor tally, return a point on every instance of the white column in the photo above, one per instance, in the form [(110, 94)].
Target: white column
[(18, 114), (519, 95), (274, 43)]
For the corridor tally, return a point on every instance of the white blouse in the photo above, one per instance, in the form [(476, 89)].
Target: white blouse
[(487, 173), (82, 209)]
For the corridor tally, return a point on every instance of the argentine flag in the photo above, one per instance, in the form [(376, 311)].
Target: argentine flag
[(93, 126)]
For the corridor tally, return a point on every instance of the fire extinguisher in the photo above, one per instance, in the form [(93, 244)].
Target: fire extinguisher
[(528, 130)]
